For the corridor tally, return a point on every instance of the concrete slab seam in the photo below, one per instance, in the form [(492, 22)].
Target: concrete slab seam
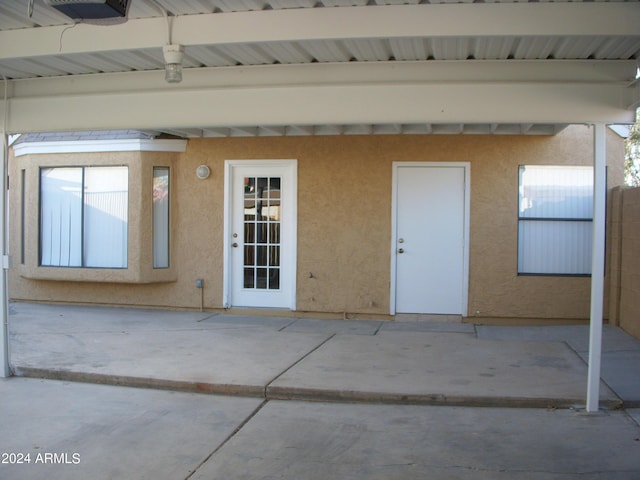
[(266, 387), (633, 419), (229, 437), (292, 322), (208, 317), (377, 329), (622, 403)]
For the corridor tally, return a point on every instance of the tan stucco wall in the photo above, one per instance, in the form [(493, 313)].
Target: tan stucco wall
[(625, 269), (344, 223)]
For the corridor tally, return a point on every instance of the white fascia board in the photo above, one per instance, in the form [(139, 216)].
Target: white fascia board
[(345, 23), (91, 146)]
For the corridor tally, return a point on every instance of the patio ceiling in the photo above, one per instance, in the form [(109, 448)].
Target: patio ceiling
[(305, 67)]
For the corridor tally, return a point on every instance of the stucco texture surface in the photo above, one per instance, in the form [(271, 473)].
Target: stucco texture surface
[(629, 268), (344, 223)]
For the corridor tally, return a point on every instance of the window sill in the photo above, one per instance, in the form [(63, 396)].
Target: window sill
[(99, 275)]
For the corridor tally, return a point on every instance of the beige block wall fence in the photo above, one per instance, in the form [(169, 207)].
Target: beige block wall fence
[(344, 224), (624, 303)]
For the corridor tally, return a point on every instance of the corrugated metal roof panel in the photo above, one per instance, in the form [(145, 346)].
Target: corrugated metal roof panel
[(368, 50), (327, 51), (210, 56), (286, 52)]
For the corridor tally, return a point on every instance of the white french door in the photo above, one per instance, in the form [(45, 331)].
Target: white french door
[(430, 239), (260, 233)]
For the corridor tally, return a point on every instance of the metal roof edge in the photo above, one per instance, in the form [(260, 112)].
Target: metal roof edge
[(92, 146)]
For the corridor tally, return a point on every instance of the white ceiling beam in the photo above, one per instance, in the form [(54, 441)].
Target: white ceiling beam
[(306, 24), (338, 94), (339, 104), (322, 74)]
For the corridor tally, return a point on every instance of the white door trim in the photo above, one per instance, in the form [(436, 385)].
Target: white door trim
[(394, 226), (229, 165)]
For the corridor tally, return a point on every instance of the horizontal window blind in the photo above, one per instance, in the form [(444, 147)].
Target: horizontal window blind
[(555, 220)]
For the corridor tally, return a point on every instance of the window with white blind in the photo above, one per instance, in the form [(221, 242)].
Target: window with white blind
[(84, 217), (555, 217)]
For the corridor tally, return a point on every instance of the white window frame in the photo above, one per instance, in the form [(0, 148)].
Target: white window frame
[(83, 219), (162, 224), (576, 221)]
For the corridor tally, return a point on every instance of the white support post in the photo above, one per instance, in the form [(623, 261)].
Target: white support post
[(597, 267), (5, 369)]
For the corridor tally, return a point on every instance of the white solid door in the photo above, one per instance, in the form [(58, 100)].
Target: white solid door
[(261, 234), (430, 239)]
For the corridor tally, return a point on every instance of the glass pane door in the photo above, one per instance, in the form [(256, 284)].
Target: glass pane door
[(261, 233), (261, 230)]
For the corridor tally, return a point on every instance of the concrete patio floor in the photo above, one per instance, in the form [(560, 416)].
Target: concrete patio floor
[(385, 400), (289, 358)]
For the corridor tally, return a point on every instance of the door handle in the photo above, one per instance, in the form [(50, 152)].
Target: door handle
[(401, 250), (234, 245)]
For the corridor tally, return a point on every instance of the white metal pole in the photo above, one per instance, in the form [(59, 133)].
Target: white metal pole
[(597, 266), (5, 369)]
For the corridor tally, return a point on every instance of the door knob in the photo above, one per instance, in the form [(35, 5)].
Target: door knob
[(234, 245), (401, 250)]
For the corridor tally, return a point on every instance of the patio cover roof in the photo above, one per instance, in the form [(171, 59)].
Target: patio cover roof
[(304, 67), (301, 67)]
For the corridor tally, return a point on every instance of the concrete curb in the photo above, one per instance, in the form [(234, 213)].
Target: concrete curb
[(436, 399), (310, 394), (141, 382)]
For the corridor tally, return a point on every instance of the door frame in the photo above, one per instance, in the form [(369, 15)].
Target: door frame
[(466, 226), (292, 227)]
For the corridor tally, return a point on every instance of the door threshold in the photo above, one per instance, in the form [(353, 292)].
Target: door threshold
[(427, 318), (261, 311)]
